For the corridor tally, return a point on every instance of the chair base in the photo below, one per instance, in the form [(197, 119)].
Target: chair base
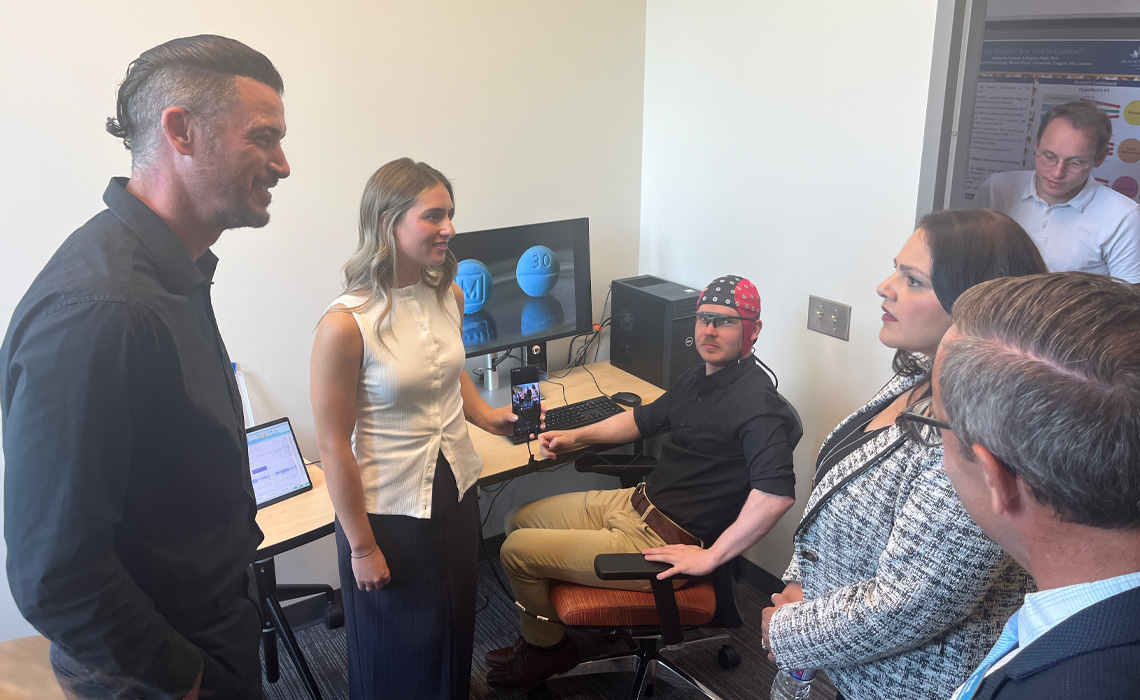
[(645, 662)]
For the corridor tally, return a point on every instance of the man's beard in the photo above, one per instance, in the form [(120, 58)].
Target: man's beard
[(239, 215)]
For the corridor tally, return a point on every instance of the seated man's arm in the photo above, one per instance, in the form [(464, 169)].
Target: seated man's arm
[(760, 512), (644, 421), (613, 430)]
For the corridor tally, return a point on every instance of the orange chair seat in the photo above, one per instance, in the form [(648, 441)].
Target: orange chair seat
[(587, 606)]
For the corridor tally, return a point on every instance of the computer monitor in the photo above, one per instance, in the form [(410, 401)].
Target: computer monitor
[(524, 284)]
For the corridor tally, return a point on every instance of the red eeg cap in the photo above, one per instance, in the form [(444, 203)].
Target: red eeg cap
[(738, 293)]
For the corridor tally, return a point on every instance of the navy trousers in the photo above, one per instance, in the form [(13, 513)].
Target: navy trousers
[(412, 639)]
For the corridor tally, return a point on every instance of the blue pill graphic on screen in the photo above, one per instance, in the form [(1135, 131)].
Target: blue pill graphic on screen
[(540, 315), (478, 328), (537, 271), (474, 279)]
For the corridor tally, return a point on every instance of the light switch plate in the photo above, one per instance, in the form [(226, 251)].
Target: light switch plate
[(829, 317)]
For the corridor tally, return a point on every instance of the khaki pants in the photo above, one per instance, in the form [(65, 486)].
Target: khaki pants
[(558, 538)]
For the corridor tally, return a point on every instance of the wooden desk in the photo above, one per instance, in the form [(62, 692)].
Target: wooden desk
[(25, 671), (502, 460), (289, 524), (297, 520)]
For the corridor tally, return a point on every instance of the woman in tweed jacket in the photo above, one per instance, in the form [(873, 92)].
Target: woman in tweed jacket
[(893, 590)]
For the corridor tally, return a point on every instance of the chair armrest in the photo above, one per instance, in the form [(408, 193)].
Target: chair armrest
[(631, 567), (615, 465), (628, 567)]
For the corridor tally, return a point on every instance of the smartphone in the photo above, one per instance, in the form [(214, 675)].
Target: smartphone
[(525, 400)]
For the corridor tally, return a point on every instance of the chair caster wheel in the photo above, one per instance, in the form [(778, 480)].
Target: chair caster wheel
[(334, 616), (540, 692), (728, 657)]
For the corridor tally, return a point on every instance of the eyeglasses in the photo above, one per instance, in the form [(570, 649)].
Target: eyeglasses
[(722, 321), (1050, 160), (923, 427)]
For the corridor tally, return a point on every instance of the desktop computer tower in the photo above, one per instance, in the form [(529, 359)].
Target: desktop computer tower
[(651, 332)]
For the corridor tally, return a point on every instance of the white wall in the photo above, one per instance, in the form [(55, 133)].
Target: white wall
[(783, 143), (534, 109)]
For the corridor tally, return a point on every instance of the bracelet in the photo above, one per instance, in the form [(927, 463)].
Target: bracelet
[(364, 556)]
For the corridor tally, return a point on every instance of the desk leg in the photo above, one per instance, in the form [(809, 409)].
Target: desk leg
[(265, 577), (273, 622)]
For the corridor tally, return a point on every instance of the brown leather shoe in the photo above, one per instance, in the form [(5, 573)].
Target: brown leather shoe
[(532, 665), (498, 657)]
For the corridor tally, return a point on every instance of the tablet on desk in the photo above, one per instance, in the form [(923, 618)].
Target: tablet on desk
[(275, 462)]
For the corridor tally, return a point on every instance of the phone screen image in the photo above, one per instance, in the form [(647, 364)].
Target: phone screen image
[(525, 399)]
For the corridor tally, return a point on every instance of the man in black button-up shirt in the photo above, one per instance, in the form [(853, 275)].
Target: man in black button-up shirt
[(724, 478), (129, 513)]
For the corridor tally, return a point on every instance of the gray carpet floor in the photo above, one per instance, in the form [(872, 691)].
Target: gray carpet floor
[(497, 626)]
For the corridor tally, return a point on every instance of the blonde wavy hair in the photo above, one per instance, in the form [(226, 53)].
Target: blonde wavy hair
[(371, 271)]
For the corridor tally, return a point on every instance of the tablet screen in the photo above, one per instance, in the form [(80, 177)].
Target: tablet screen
[(275, 462)]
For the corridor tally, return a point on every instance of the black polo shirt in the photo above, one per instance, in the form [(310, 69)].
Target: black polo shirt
[(129, 512), (730, 432)]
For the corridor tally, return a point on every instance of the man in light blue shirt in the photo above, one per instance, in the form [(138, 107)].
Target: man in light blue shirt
[(1037, 400), (1077, 223)]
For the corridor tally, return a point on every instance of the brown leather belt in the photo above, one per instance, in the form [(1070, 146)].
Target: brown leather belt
[(665, 528)]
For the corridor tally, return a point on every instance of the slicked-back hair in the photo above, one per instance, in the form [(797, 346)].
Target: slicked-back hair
[(1045, 374), (196, 73), (1084, 116), (968, 247)]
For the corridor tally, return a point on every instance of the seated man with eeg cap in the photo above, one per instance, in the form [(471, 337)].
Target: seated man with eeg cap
[(723, 480)]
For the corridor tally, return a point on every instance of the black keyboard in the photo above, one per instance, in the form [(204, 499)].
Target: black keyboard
[(576, 415)]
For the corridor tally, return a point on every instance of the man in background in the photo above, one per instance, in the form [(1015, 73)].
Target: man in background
[(1077, 222), (129, 512), (1038, 382)]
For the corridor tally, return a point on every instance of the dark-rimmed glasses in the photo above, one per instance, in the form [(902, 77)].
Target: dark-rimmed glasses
[(923, 427), (721, 320)]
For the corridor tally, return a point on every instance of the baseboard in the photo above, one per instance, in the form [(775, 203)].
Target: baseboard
[(310, 611), (758, 577), (307, 612)]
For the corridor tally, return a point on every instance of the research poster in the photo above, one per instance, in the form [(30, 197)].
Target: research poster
[(1021, 80)]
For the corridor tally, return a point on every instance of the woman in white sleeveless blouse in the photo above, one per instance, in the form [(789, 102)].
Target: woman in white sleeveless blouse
[(391, 401)]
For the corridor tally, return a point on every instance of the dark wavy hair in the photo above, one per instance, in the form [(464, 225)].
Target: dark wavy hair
[(967, 248), (196, 73)]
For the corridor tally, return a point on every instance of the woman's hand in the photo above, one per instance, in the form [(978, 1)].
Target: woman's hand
[(501, 421), (371, 571), (792, 593), (498, 421)]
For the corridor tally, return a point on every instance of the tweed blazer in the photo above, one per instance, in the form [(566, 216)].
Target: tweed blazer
[(903, 593)]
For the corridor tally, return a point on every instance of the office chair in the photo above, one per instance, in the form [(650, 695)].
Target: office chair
[(652, 622), (629, 472)]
